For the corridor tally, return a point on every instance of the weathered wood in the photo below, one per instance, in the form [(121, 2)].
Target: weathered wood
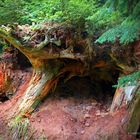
[(35, 53), (123, 95), (44, 78), (45, 75), (134, 113), (14, 43), (39, 86), (117, 100)]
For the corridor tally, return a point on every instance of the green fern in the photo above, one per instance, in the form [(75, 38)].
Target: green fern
[(127, 32), (131, 79), (104, 18)]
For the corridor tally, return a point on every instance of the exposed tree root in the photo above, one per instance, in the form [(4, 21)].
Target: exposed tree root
[(60, 51)]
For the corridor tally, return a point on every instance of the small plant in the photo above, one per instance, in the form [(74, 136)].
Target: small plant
[(19, 128), (129, 80)]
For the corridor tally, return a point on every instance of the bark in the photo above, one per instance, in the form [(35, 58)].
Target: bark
[(44, 77), (42, 81), (134, 113), (39, 87), (45, 74), (14, 43), (117, 100), (35, 53)]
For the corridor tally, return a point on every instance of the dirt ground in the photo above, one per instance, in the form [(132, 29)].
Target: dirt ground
[(78, 116), (73, 112)]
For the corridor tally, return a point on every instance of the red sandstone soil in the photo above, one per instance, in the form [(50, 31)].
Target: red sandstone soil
[(69, 115), (77, 119), (5, 107)]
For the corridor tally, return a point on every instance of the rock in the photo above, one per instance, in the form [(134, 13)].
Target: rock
[(82, 132), (87, 116), (98, 113), (87, 124), (104, 114), (88, 108)]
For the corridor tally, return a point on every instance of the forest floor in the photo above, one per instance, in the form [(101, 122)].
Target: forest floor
[(71, 112)]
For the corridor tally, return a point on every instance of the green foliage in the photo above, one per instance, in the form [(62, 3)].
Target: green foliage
[(131, 79), (128, 25), (11, 11), (116, 20), (104, 18), (57, 11), (41, 11), (126, 32), (78, 10)]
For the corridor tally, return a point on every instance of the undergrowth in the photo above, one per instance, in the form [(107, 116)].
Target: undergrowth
[(129, 80), (19, 128)]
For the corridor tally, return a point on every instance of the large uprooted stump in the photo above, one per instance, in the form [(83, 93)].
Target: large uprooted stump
[(55, 51), (48, 67)]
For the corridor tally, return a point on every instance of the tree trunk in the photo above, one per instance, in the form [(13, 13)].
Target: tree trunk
[(134, 113), (39, 86), (117, 100)]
